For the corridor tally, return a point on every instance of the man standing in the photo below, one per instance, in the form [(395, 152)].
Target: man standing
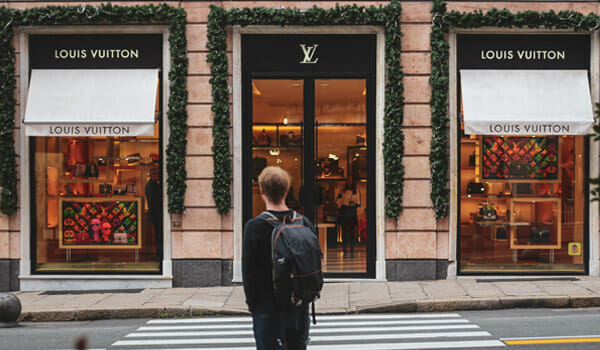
[(275, 326)]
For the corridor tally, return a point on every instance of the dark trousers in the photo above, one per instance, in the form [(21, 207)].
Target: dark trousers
[(348, 236), (268, 330)]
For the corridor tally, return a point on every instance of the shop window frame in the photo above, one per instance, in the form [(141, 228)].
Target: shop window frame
[(27, 219), (591, 236)]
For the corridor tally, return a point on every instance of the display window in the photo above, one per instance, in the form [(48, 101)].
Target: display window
[(98, 203), (522, 203), (524, 113)]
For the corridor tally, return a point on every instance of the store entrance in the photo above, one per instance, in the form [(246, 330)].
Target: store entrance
[(317, 130)]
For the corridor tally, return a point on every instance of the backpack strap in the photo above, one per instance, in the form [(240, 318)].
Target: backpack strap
[(270, 218), (274, 220)]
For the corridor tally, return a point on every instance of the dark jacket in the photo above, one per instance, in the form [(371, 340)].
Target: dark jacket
[(256, 262)]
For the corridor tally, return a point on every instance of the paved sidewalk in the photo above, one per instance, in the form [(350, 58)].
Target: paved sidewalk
[(336, 298)]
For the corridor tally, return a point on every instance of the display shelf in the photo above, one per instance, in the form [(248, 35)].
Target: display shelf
[(482, 196), (332, 178), (266, 148), (515, 243)]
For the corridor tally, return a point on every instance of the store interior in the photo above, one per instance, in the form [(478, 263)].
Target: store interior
[(341, 153), (98, 204), (522, 204)]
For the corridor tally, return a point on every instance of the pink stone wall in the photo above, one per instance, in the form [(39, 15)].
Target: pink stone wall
[(204, 233)]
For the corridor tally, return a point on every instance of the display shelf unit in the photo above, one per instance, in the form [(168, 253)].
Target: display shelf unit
[(112, 153), (555, 224)]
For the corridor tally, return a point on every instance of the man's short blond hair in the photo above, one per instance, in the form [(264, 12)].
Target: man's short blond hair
[(274, 183)]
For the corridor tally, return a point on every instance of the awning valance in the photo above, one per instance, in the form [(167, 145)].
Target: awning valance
[(526, 102), (91, 102)]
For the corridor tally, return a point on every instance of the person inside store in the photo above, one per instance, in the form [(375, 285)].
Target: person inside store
[(153, 191), (348, 200), (267, 315)]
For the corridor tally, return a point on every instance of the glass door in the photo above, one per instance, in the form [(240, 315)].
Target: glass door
[(316, 129), (277, 136), (341, 173)]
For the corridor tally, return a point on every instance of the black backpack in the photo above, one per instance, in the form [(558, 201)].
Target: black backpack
[(296, 257)]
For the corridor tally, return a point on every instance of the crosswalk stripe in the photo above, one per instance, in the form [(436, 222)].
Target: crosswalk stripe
[(333, 332), (394, 346), (415, 345), (320, 324), (313, 330), (379, 346), (320, 317), (366, 323), (329, 338)]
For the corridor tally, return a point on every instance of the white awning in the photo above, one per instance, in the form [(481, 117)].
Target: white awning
[(91, 102), (526, 102)]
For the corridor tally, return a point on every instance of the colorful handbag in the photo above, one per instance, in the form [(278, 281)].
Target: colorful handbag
[(475, 188)]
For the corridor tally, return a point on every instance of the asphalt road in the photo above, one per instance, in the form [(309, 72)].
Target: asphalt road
[(508, 329)]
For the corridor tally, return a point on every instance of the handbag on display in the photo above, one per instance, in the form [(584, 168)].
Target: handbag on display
[(91, 170), (540, 235), (263, 139), (475, 188), (488, 212), (79, 169), (472, 159), (361, 140), (501, 233), (105, 188)]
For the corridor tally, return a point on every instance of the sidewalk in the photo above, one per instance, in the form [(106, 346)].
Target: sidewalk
[(336, 298)]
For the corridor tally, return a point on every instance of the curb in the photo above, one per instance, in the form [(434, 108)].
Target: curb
[(125, 313), (412, 306), (557, 302)]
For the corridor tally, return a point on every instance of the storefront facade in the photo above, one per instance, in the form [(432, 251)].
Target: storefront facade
[(524, 112), (93, 129), (311, 99)]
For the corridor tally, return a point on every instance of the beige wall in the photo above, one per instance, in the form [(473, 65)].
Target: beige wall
[(202, 233)]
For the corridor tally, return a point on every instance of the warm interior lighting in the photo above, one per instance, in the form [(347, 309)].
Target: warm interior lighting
[(285, 121), (255, 90), (274, 152)]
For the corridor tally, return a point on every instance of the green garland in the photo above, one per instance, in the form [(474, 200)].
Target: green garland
[(8, 165), (388, 17), (595, 190), (442, 22), (103, 14)]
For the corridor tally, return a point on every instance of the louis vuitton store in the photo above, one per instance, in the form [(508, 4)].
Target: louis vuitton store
[(525, 110), (91, 121), (308, 106)]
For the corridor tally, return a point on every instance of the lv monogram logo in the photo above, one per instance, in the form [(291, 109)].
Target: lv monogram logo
[(309, 54)]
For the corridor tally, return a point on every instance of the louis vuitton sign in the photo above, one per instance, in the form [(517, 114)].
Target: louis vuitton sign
[(523, 51), (95, 51), (308, 53)]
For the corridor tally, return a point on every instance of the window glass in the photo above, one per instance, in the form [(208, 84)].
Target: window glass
[(522, 203), (98, 204)]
